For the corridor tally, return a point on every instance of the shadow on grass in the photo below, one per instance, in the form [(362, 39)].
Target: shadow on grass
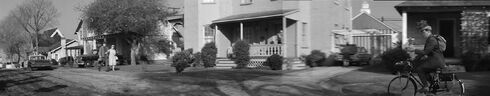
[(378, 68), (215, 74), (292, 90)]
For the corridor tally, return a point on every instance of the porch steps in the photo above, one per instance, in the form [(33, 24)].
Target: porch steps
[(296, 64), (225, 64)]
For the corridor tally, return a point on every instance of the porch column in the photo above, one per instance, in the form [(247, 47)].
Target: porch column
[(284, 27), (241, 30), (216, 34), (404, 30)]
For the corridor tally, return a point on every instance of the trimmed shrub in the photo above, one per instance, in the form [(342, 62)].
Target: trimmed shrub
[(274, 62), (197, 59), (391, 56), (241, 52), (209, 52), (315, 58), (182, 60)]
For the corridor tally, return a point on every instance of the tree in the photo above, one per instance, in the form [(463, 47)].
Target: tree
[(16, 41), (134, 18), (33, 16)]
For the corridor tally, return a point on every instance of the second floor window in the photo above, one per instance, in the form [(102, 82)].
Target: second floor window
[(247, 1), (208, 1)]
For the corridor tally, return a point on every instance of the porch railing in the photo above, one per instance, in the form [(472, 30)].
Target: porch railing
[(266, 50)]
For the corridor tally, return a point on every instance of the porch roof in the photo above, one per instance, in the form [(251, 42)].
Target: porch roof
[(256, 15), (424, 5)]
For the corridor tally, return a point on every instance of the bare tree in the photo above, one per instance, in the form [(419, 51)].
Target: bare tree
[(15, 41), (35, 16)]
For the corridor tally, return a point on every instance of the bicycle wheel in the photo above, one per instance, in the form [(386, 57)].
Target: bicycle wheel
[(402, 86), (455, 87)]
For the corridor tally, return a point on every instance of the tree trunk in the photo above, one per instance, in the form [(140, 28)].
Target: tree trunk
[(134, 50)]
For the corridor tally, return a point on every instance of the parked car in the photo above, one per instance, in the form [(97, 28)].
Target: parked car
[(354, 56), (38, 61)]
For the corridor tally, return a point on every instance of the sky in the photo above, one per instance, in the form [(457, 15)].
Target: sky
[(69, 15), (67, 20)]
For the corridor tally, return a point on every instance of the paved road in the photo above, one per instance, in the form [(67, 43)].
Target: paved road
[(24, 83)]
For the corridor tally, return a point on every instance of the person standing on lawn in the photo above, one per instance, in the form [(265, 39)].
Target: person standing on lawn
[(102, 56), (112, 57), (431, 57)]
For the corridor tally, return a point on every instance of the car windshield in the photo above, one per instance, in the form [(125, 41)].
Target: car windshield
[(37, 58)]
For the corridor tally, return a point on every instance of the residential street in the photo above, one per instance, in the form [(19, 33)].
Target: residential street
[(158, 80)]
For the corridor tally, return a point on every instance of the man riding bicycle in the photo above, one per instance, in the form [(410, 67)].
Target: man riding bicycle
[(430, 58)]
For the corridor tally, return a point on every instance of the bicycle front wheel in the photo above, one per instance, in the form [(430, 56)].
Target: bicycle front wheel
[(402, 86)]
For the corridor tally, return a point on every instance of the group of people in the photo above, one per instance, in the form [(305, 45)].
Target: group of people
[(107, 57)]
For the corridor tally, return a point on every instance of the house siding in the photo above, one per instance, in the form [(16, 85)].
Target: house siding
[(317, 17)]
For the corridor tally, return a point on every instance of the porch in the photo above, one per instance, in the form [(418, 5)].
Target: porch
[(464, 27), (268, 33)]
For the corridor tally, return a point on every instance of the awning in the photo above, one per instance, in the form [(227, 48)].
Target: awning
[(448, 4), (256, 15)]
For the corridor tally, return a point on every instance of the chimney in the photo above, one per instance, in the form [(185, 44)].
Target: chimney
[(365, 8)]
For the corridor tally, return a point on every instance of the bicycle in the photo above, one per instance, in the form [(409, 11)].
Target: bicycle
[(405, 84)]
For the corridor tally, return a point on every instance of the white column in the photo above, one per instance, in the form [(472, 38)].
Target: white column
[(404, 30), (216, 34), (241, 30), (284, 37)]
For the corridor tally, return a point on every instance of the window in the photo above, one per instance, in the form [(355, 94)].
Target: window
[(246, 2), (209, 34), (208, 1)]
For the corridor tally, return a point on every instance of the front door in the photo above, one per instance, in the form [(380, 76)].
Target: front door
[(446, 30)]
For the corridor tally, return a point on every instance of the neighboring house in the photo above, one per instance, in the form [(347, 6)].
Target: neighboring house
[(464, 24), (60, 46), (286, 27), (383, 37), (170, 29)]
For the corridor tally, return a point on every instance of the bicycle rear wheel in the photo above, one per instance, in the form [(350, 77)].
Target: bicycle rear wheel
[(455, 87), (402, 86)]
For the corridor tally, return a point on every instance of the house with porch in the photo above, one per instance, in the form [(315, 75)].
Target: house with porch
[(464, 24), (290, 28)]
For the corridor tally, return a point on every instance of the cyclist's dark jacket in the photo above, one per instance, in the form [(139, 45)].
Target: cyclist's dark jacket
[(435, 57)]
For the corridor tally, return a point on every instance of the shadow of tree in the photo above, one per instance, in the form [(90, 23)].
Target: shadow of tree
[(49, 89)]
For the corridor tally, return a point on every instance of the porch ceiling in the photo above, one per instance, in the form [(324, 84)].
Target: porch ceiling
[(256, 15)]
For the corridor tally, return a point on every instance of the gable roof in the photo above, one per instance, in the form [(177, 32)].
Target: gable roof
[(79, 26), (367, 21), (53, 32)]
